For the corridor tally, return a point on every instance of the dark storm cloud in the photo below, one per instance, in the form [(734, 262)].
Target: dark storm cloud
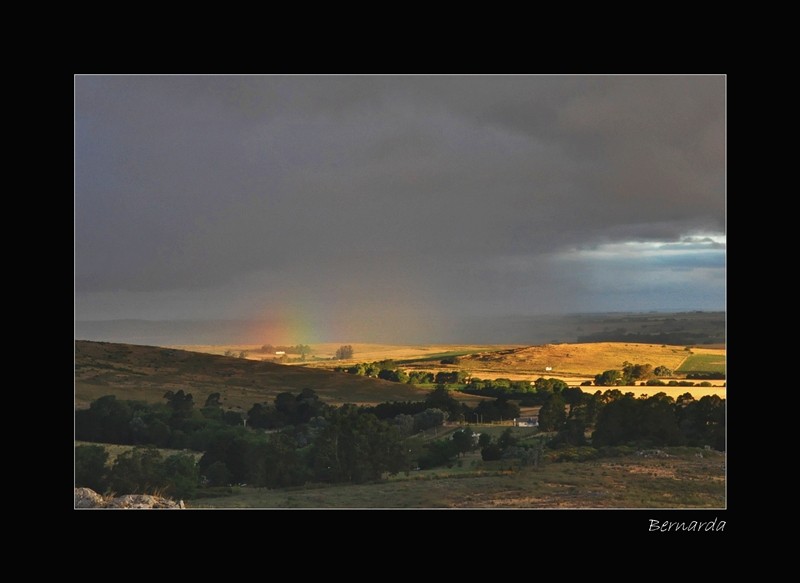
[(451, 192)]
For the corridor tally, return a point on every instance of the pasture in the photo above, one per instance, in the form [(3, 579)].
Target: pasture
[(711, 362), (682, 480)]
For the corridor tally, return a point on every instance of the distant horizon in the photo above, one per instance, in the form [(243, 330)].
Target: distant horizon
[(532, 329), (543, 315)]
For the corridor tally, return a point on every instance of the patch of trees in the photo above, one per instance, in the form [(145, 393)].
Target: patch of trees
[(287, 409), (388, 371), (530, 394), (507, 446), (316, 442), (635, 372), (420, 378), (389, 410), (608, 378), (344, 352), (629, 374), (440, 398), (176, 424), (451, 377), (356, 447), (711, 376), (301, 349), (501, 409), (384, 369), (659, 420), (443, 452), (137, 471), (623, 419)]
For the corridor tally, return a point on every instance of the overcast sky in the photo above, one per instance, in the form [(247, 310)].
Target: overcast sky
[(346, 205)]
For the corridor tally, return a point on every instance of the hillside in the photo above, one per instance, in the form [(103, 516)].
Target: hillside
[(147, 372), (579, 359)]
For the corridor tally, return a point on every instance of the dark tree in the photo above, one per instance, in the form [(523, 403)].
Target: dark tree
[(217, 474), (137, 471), (181, 403), (393, 375), (635, 372), (107, 420), (574, 397), (276, 463), (507, 439), (429, 418), (650, 422), (440, 398), (307, 406), (463, 440), (344, 352), (90, 467), (213, 400), (357, 447), (418, 378), (608, 378), (571, 433), (438, 453), (552, 414), (550, 385), (261, 416), (446, 377), (702, 422), (180, 475), (617, 423)]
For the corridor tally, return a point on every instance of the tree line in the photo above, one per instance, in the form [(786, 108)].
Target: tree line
[(301, 349), (647, 375), (293, 440), (140, 470), (623, 419), (389, 371)]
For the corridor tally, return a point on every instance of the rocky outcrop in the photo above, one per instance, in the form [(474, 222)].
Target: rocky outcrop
[(88, 498)]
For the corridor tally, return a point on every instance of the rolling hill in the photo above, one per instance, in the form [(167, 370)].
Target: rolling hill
[(147, 372)]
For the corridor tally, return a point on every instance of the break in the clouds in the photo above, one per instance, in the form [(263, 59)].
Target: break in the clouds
[(367, 203)]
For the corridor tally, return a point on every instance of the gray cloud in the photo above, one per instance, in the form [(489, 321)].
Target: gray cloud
[(444, 193)]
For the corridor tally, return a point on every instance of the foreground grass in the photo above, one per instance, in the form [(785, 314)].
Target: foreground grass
[(682, 480)]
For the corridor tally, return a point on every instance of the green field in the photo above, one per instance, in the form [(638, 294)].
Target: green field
[(682, 480), (703, 363)]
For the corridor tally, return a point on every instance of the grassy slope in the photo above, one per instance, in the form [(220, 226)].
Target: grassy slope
[(681, 481), (146, 372)]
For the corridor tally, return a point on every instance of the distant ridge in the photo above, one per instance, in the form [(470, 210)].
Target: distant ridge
[(650, 327)]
